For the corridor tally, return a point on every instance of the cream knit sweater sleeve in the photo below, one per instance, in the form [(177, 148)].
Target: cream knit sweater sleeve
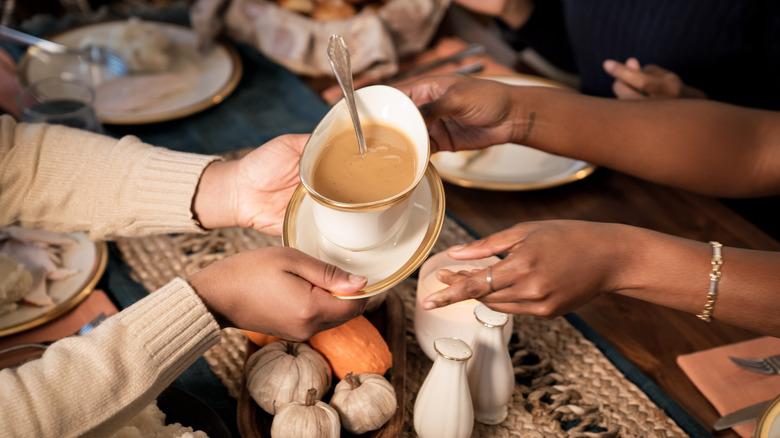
[(63, 179), (90, 386)]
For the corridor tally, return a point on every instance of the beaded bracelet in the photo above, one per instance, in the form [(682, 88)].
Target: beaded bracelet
[(717, 262)]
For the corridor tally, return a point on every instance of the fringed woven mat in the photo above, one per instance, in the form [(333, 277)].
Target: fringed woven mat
[(566, 386)]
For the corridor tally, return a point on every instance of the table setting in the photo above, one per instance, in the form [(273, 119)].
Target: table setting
[(578, 375)]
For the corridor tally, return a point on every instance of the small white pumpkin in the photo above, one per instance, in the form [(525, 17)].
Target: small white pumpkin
[(364, 402), (282, 372), (310, 419)]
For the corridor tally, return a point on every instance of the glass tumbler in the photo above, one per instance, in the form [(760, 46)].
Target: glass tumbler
[(68, 102)]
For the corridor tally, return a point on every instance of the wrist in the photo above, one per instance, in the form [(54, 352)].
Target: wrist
[(213, 205)]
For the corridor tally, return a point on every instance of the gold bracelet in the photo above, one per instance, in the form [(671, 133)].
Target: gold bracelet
[(712, 295)]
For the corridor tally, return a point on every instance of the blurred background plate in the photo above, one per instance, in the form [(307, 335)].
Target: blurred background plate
[(210, 76), (510, 166), (90, 259)]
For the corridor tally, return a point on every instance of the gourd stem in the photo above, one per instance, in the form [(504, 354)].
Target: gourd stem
[(310, 394), (290, 349), (353, 381)]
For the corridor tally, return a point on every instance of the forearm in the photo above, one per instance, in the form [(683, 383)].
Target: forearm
[(69, 180), (706, 147), (93, 384), (674, 272)]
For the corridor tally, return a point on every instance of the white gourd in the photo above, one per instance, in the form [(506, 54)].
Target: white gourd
[(309, 419), (364, 402), (282, 372)]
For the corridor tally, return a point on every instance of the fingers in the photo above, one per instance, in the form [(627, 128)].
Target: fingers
[(326, 276), (494, 244), (630, 80)]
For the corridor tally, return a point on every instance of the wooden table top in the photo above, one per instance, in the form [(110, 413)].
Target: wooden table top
[(649, 336)]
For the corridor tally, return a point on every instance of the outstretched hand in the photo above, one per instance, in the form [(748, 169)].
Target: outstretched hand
[(278, 291), (458, 115), (550, 268), (252, 192), (632, 81)]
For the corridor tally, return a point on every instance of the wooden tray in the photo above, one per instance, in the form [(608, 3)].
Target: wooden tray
[(389, 319)]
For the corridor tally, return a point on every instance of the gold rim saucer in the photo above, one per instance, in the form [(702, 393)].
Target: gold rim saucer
[(398, 260)]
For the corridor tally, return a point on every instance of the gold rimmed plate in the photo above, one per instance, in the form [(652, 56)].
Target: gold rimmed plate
[(511, 167), (194, 81), (386, 265), (768, 423), (89, 258)]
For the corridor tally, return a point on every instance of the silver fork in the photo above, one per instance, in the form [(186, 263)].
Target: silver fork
[(767, 365), (97, 55), (86, 328)]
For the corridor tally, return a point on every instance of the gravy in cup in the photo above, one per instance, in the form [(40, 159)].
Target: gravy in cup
[(362, 202), (387, 168)]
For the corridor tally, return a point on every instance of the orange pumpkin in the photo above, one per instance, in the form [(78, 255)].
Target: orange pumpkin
[(354, 347), (260, 339)]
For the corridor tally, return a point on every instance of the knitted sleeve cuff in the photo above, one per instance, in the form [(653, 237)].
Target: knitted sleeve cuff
[(174, 325)]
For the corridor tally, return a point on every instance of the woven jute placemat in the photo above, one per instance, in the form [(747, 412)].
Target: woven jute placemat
[(566, 386)]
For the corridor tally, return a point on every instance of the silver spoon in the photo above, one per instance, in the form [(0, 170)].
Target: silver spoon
[(338, 57)]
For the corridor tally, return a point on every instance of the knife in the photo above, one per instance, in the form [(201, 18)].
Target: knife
[(740, 416)]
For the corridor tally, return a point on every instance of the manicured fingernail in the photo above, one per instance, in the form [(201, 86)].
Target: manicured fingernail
[(609, 65), (356, 279), (457, 248), (428, 305)]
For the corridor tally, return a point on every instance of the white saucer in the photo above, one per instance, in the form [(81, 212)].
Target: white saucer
[(384, 266)]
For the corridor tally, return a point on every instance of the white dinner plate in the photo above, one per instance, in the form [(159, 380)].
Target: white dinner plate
[(510, 166), (384, 266), (89, 258), (195, 81)]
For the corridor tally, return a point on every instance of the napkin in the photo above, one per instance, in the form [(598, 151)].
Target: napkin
[(65, 325), (727, 386), (376, 37)]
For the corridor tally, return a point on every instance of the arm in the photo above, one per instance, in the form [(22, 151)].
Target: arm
[(702, 146), (65, 179), (553, 267), (128, 360)]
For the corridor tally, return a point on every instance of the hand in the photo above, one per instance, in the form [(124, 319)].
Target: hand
[(512, 12), (458, 115), (278, 291), (551, 268), (252, 192), (9, 84), (635, 82)]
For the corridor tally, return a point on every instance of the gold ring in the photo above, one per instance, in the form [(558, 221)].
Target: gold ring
[(489, 278)]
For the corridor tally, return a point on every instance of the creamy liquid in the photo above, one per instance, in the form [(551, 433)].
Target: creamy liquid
[(388, 168)]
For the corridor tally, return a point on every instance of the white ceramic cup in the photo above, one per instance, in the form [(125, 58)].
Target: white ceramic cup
[(456, 320), (358, 227)]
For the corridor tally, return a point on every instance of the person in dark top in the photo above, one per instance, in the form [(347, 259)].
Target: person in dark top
[(729, 50)]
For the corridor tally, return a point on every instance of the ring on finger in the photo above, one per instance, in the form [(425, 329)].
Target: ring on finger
[(489, 278)]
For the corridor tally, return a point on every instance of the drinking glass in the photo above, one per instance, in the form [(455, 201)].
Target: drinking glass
[(68, 102)]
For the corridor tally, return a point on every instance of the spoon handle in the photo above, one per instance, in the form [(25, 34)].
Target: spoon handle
[(338, 56)]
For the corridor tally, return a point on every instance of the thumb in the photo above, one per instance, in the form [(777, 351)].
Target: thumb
[(328, 277)]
